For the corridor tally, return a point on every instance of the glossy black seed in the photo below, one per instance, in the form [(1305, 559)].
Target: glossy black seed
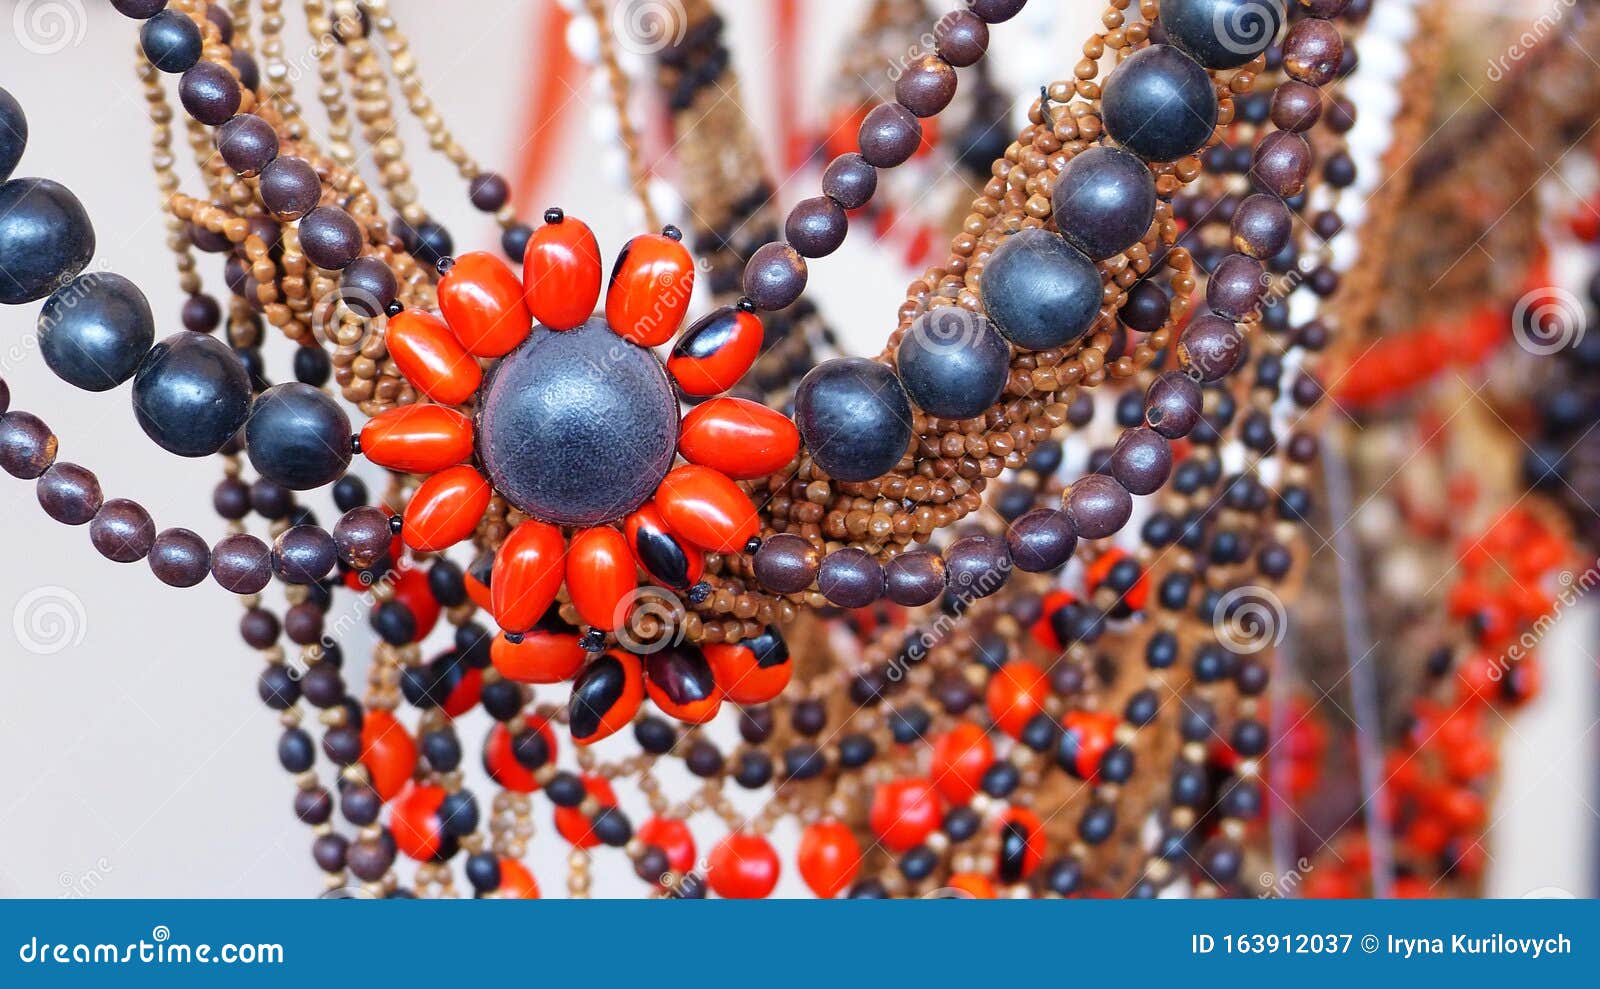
[(1223, 34), (953, 362), (1159, 104), (298, 436), (171, 41), (595, 692), (854, 417), (1041, 291), (45, 239), (94, 331), (1104, 201), (191, 394), (1041, 540)]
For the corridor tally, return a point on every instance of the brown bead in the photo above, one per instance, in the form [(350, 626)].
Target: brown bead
[(27, 446), (775, 277), (889, 135), (961, 37), (1312, 51), (289, 187), (180, 558), (787, 563), (330, 238), (926, 86), (1296, 106), (850, 181), (1098, 506), (995, 11), (1261, 226), (916, 578), (303, 624), (241, 563), (303, 554), (1282, 162), (1235, 287), (68, 493), (816, 227), (362, 536), (850, 578), (1210, 347), (122, 531)]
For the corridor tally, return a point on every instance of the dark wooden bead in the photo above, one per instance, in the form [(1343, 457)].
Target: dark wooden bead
[(915, 578), (1147, 307), (976, 566), (1282, 162), (1041, 540), (245, 64), (1313, 51), (139, 10), (1159, 103), (330, 238), (1098, 506), (171, 41), (961, 37), (855, 418), (248, 144), (27, 446), (68, 493), (45, 239), (298, 436), (5, 397), (1141, 460), (995, 11), (94, 330), (303, 554), (850, 181), (1235, 287), (200, 313), (787, 563), (289, 186), (1104, 201), (1172, 404), (180, 558), (775, 277), (241, 563), (926, 86), (1222, 34), (1041, 291), (362, 536), (816, 227), (851, 578), (1210, 347), (1261, 226), (210, 93), (259, 628), (1296, 106), (303, 624), (889, 135), (191, 394), (13, 134), (953, 362)]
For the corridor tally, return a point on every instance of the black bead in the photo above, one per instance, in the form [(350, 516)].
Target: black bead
[(191, 394), (458, 814), (953, 362), (1159, 104), (850, 181), (851, 578), (1098, 506), (312, 366), (94, 331), (1104, 201), (754, 769), (1040, 291), (13, 134), (298, 436), (45, 239), (1098, 823), (855, 418), (1222, 34), (296, 753), (171, 41)]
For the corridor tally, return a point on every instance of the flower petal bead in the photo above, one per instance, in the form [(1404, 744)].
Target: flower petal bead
[(751, 671), (716, 351), (1041, 291), (743, 866), (674, 838), (445, 509), (1159, 103), (550, 652), (662, 554), (855, 417), (528, 571), (431, 358), (739, 438), (481, 299), (707, 509), (1016, 693), (600, 575), (516, 882), (648, 293), (417, 438), (953, 362), (561, 272), (679, 681), (904, 813), (829, 857), (605, 697), (414, 823)]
